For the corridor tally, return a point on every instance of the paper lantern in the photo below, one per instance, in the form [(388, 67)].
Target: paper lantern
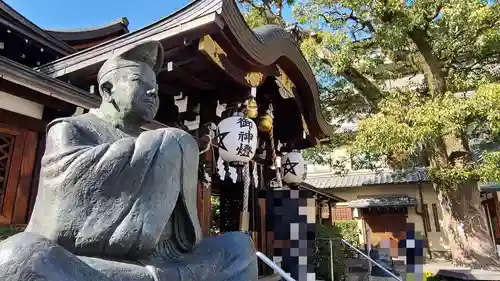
[(325, 211), (292, 167), (237, 139)]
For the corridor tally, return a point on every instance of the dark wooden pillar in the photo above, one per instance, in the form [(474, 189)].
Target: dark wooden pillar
[(204, 204), (21, 205), (330, 211), (208, 110), (262, 246), (36, 173)]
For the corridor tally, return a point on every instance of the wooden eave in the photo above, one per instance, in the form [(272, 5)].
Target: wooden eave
[(16, 73), (19, 23), (256, 52), (183, 25), (90, 35), (315, 190), (19, 74)]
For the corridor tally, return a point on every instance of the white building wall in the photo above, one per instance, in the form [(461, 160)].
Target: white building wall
[(19, 105)]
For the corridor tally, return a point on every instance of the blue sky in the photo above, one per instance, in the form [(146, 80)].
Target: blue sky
[(66, 14)]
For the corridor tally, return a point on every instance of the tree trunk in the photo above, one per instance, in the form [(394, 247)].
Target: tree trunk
[(464, 219), (370, 92), (465, 224), (428, 62)]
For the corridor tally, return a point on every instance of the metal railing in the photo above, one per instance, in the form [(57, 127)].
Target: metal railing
[(274, 266), (287, 277), (351, 252), (371, 260)]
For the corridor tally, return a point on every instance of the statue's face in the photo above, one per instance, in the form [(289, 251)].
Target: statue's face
[(135, 92)]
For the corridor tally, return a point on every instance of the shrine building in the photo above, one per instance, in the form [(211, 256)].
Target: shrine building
[(213, 63)]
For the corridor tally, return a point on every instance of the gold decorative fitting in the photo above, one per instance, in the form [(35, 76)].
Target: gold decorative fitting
[(265, 123), (252, 109), (254, 78), (209, 47), (212, 49), (285, 83)]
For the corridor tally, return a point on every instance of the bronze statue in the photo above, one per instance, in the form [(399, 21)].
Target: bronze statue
[(115, 203)]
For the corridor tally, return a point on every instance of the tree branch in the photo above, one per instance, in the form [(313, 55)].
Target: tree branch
[(428, 62), (363, 23), (327, 20), (266, 10), (370, 92)]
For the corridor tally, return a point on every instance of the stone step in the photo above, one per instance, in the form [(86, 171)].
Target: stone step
[(358, 276), (273, 277)]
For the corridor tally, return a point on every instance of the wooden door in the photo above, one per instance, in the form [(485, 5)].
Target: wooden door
[(386, 227), (17, 161)]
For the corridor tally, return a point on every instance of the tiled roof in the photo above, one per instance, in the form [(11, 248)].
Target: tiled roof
[(370, 178), (490, 187), (383, 202), (365, 178)]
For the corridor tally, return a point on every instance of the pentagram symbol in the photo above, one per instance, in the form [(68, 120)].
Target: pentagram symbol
[(220, 140), (289, 167)]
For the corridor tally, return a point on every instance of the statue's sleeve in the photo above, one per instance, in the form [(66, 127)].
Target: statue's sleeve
[(73, 153)]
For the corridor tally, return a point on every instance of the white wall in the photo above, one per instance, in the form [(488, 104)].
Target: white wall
[(19, 105)]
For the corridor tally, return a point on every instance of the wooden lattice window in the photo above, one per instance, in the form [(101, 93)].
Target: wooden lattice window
[(6, 148)]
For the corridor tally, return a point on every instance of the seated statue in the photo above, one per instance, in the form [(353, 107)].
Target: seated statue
[(116, 203)]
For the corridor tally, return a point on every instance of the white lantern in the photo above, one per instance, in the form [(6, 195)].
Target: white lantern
[(237, 139), (325, 211), (292, 167)]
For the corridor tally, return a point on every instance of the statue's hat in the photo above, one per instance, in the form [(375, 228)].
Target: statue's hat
[(150, 53)]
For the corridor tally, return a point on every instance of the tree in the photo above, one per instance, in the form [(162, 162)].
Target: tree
[(357, 47), (215, 225)]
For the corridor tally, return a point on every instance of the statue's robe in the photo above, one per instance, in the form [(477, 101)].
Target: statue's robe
[(112, 194), (107, 197)]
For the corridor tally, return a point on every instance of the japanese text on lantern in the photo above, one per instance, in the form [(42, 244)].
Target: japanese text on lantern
[(245, 137)]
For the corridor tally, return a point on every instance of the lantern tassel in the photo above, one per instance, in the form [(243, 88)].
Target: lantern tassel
[(245, 216), (275, 159), (273, 150)]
